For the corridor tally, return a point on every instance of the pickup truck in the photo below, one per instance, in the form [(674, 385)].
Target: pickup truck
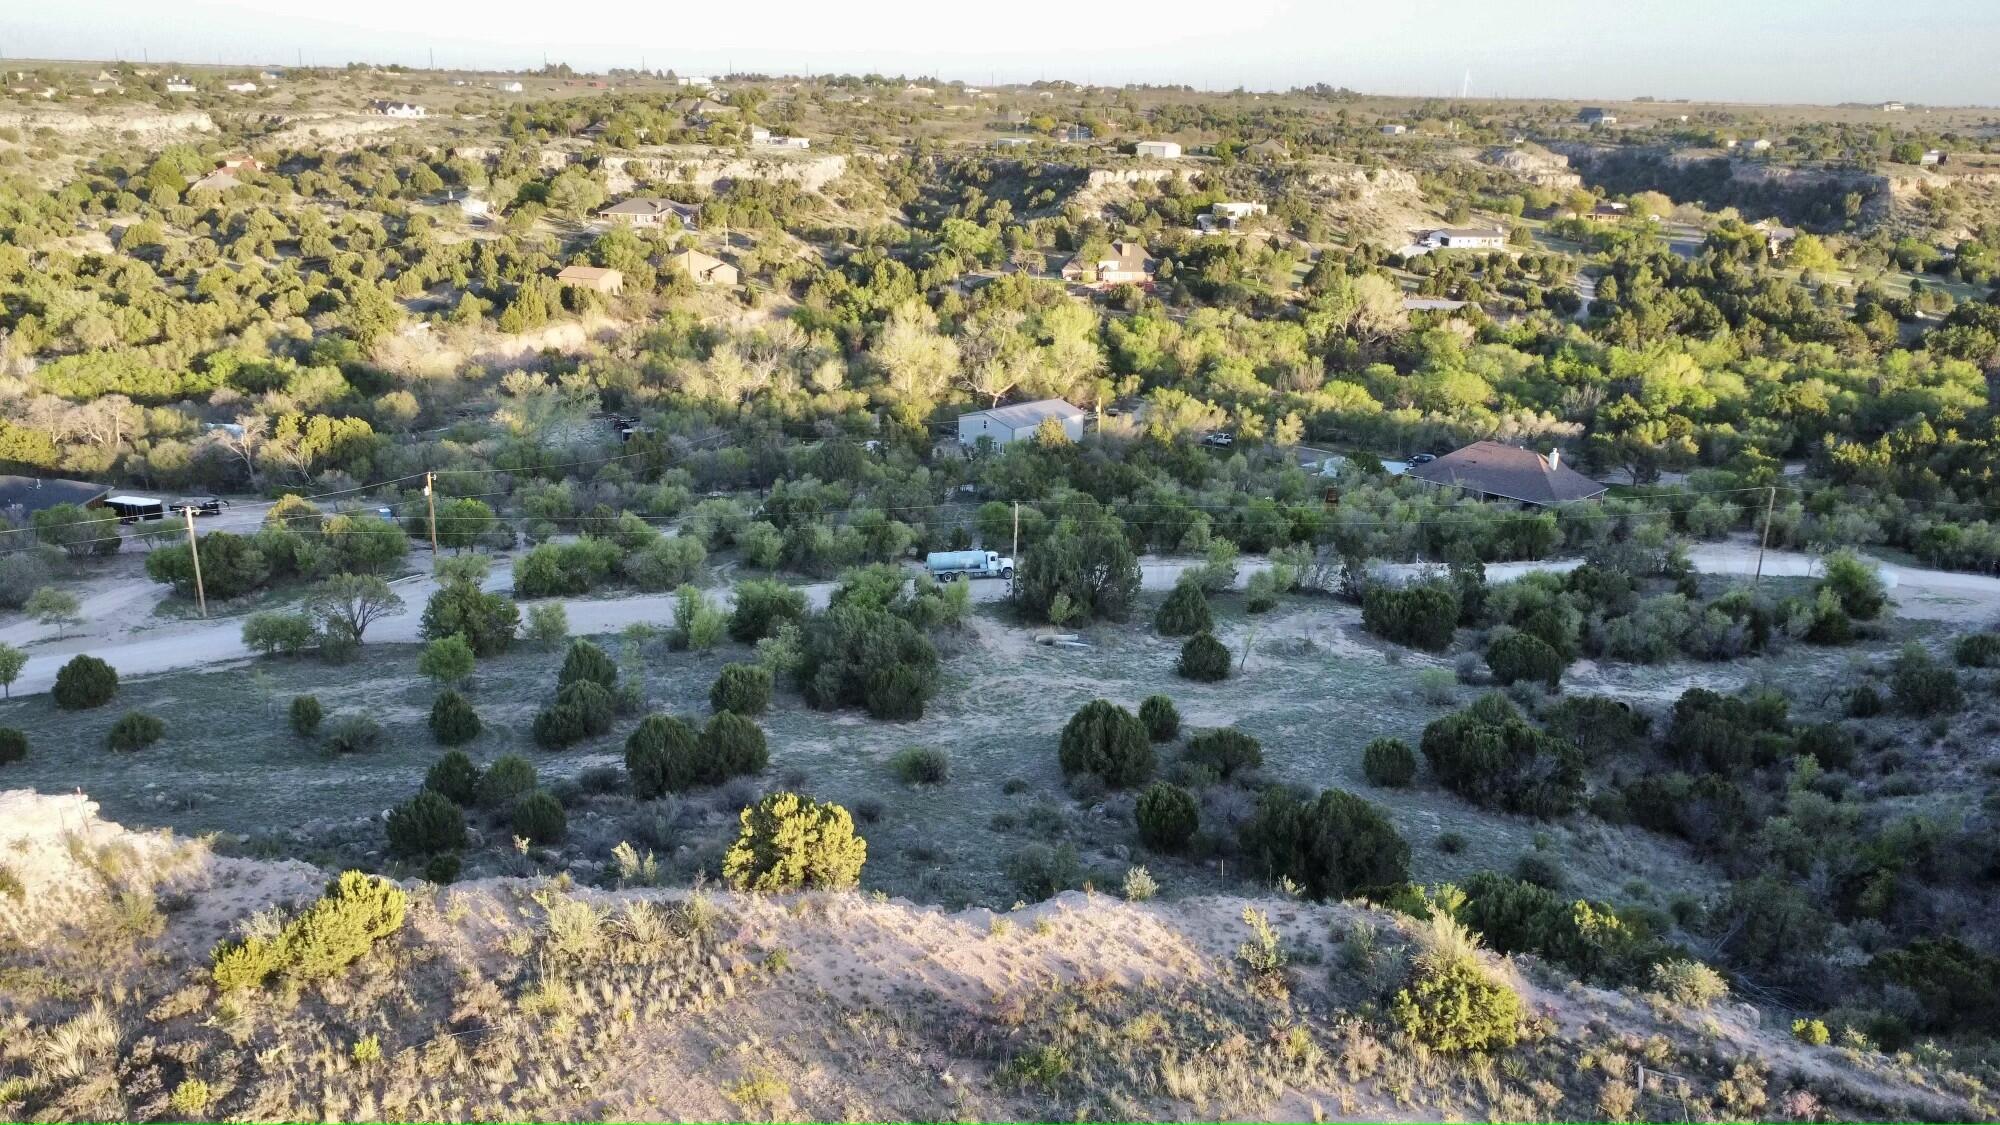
[(969, 564)]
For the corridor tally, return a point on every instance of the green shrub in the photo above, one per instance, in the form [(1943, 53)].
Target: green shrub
[(508, 777), (583, 709), (1167, 817), (553, 570), (1596, 725), (1039, 870), (13, 746), (306, 715), (454, 777), (1451, 1004), (1689, 984), (1105, 740), (1260, 592), (548, 625), (1727, 733), (1333, 846), (425, 824), (1422, 615), (448, 660), (1827, 743), (1856, 584), (790, 843), (442, 868), (661, 756), (279, 634), (857, 655), (922, 765), (83, 683), (1086, 567), (1515, 657), (356, 912), (1227, 751), (1160, 718), (1388, 762), (1491, 756), (353, 734), (587, 662), (1588, 938), (453, 721), (1204, 659), (135, 730), (1185, 612), (742, 688), (762, 605), (486, 621), (1977, 650), (1956, 985), (1813, 1033), (1864, 702), (539, 817), (731, 747), (1920, 685)]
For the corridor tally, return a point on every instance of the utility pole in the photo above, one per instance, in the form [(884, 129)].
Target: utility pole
[(1015, 553), (194, 552), (1770, 501), (430, 501)]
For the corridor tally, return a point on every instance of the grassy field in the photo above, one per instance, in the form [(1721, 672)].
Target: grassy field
[(1315, 691)]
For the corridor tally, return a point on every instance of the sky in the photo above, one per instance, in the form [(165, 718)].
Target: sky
[(1939, 52)]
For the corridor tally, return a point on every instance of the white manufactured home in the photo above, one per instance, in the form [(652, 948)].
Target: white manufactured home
[(1003, 424)]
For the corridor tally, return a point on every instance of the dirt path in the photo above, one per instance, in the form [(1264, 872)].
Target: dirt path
[(118, 628)]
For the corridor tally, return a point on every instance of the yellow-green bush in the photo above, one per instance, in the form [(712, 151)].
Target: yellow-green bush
[(331, 934), (791, 842)]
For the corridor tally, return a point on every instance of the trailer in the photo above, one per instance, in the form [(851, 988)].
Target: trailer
[(132, 509), (969, 564)]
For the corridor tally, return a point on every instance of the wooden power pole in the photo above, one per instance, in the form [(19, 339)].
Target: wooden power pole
[(1015, 553), (1770, 502), (430, 501), (194, 552)]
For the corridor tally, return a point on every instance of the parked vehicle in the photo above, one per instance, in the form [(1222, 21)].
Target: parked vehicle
[(969, 564), (202, 505), (1423, 459), (1219, 440)]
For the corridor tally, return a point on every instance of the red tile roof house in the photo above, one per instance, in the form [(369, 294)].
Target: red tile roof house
[(1494, 471)]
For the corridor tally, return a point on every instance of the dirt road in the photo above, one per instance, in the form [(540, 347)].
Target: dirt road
[(154, 645)]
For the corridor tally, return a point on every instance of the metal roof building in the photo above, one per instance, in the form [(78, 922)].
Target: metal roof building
[(1003, 424)]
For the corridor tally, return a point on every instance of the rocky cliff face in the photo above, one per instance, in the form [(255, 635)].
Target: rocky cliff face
[(624, 173), (152, 127)]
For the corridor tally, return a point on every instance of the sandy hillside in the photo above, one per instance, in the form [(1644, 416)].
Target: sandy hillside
[(531, 999)]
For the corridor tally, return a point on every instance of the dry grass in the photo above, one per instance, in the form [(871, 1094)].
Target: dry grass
[(530, 999)]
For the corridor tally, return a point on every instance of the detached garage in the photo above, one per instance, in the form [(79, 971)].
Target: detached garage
[(1018, 422)]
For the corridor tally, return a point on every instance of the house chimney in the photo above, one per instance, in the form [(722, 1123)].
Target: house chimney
[(1555, 457)]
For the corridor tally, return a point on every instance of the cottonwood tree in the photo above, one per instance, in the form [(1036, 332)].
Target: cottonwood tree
[(12, 660), (51, 606), (244, 446), (917, 363), (347, 604)]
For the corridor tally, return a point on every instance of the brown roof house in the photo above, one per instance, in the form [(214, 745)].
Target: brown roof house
[(645, 212), (1126, 264), (592, 277), (1508, 472), (222, 179), (706, 269), (22, 497)]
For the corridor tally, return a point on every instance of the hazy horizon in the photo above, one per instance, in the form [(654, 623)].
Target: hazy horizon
[(1704, 50)]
